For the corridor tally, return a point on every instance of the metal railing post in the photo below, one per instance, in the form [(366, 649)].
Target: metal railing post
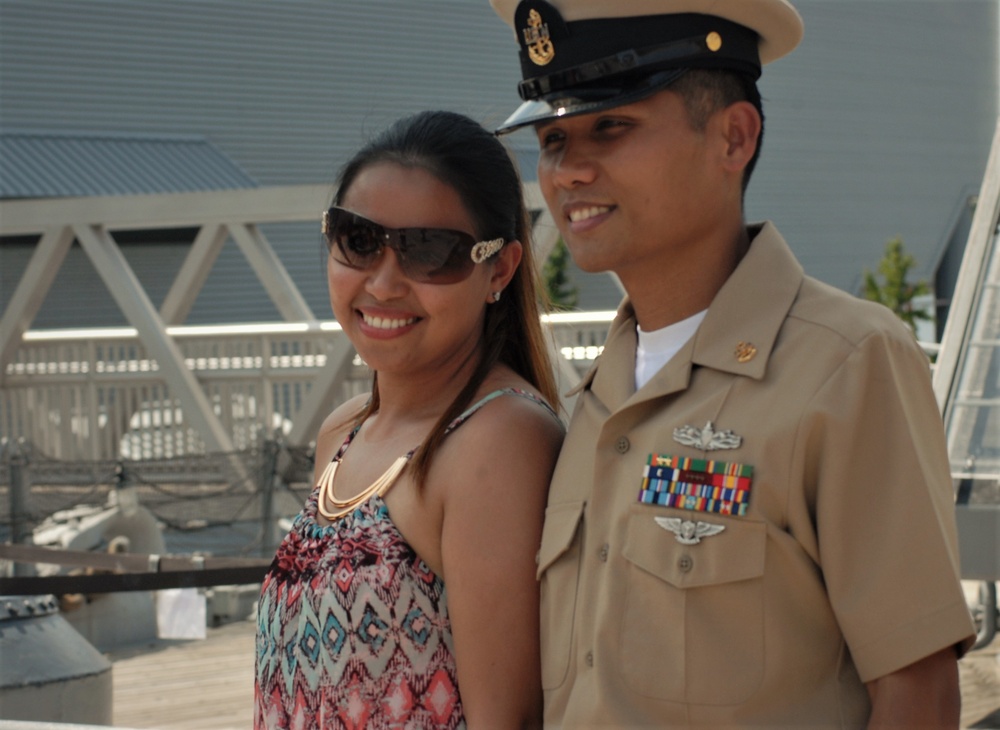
[(269, 469), (20, 515)]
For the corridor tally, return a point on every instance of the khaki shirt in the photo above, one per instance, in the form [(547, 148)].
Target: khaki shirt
[(843, 567)]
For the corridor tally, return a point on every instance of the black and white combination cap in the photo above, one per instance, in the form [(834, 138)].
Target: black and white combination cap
[(583, 56)]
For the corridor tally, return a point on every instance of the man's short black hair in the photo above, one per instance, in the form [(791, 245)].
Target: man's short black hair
[(706, 91)]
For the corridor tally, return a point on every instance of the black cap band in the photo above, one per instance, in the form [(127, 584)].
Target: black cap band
[(559, 56), (583, 66), (625, 62)]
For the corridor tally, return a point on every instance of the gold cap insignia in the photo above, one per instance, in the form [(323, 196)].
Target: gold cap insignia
[(537, 40), (713, 41), (745, 351)]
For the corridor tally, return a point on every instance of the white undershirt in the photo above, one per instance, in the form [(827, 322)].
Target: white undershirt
[(657, 347)]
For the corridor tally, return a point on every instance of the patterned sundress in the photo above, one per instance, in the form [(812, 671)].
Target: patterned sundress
[(352, 626)]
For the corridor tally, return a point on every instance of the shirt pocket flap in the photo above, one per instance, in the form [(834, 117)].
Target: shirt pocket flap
[(736, 553), (561, 521)]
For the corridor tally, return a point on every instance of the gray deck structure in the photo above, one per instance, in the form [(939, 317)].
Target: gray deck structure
[(878, 125)]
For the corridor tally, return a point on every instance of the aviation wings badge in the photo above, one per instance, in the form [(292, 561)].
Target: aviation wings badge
[(688, 532)]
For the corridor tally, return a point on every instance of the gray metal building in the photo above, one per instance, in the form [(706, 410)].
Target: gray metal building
[(877, 126)]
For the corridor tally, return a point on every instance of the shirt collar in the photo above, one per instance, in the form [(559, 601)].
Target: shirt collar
[(738, 333), (751, 307)]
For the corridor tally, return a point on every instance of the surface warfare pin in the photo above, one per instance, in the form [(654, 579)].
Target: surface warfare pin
[(707, 438)]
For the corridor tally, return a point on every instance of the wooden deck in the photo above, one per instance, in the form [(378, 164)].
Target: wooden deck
[(980, 677), (188, 685), (208, 685)]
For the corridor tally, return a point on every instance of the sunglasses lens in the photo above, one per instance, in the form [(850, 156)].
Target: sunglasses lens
[(435, 255), (353, 240), (427, 255)]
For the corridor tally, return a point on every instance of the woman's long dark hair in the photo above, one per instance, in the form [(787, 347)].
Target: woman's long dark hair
[(465, 156)]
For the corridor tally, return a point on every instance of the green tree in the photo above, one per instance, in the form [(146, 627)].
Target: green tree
[(893, 290), (561, 292)]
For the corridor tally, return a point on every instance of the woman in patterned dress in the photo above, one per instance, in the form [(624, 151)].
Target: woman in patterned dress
[(404, 595)]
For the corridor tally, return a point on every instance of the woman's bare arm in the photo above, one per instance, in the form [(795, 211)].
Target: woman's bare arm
[(494, 504)]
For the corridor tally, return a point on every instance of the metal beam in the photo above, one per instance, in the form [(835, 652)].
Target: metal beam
[(984, 226), (32, 288), (140, 312), (193, 273), (280, 204), (544, 233), (271, 272), (309, 418), (545, 236)]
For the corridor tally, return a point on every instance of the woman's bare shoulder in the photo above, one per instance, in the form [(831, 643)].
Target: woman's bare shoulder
[(517, 437), (514, 415), (520, 398)]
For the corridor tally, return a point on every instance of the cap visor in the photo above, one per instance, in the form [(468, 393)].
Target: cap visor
[(586, 101)]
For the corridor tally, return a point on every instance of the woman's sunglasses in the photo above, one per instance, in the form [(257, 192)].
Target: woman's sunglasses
[(427, 255)]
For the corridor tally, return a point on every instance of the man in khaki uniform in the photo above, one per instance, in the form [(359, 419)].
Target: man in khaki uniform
[(751, 521)]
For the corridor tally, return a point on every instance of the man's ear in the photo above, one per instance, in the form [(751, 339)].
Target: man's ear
[(505, 264), (741, 126)]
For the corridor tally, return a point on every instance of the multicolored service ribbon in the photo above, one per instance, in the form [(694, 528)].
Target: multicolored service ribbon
[(700, 485)]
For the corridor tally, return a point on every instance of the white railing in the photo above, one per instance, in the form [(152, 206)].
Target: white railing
[(95, 394)]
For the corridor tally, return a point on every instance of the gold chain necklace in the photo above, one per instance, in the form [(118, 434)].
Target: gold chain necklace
[(341, 507)]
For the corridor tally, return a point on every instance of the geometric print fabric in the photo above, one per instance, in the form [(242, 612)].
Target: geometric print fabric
[(353, 631), (352, 626)]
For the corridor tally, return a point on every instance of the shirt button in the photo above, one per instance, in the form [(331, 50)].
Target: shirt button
[(622, 445), (685, 563), (590, 659), (603, 553)]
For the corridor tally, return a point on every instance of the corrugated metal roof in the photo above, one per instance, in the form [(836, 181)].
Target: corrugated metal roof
[(60, 164)]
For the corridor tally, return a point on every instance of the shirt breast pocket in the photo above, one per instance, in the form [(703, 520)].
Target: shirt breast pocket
[(558, 572), (693, 622)]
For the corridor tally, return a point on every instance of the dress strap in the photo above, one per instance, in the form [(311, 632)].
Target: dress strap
[(347, 442), (464, 416)]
